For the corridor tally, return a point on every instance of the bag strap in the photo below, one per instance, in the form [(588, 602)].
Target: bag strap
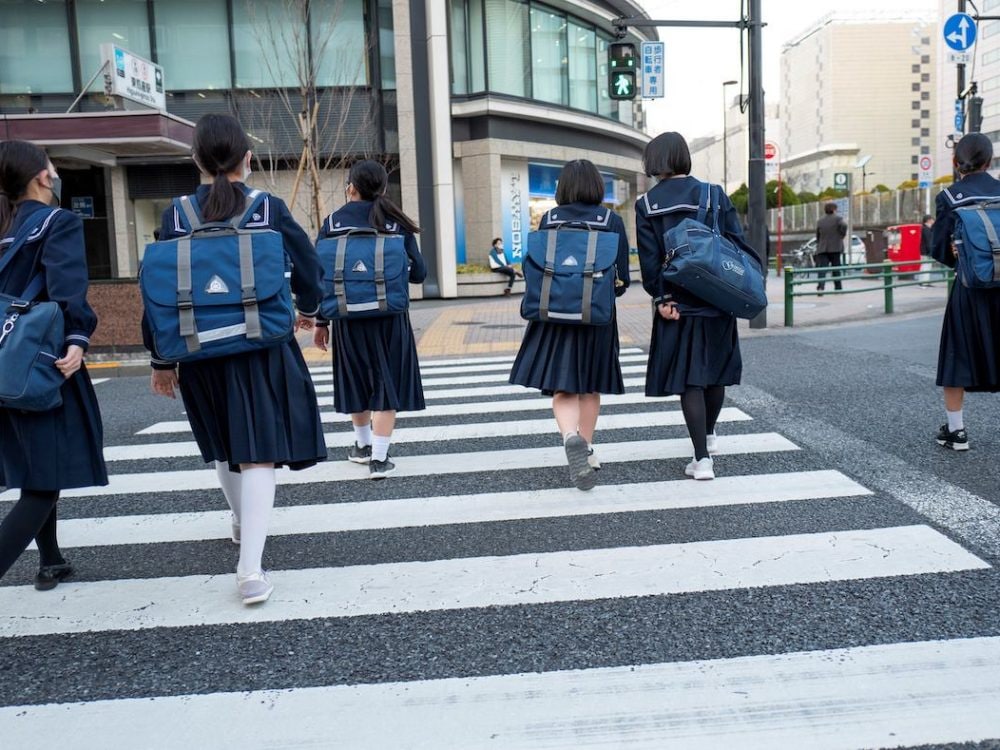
[(188, 205), (37, 282), (704, 202), (588, 277), (717, 207), (991, 235), (548, 274)]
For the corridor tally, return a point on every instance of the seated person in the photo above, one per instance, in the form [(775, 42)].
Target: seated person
[(499, 264)]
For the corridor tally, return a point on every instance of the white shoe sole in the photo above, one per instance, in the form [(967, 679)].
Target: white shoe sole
[(953, 446), (382, 474), (700, 475), (259, 597), (359, 460)]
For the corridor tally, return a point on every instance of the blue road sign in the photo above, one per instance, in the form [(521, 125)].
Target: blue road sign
[(959, 122), (960, 32)]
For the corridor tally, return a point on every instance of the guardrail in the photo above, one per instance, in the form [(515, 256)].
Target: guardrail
[(884, 273)]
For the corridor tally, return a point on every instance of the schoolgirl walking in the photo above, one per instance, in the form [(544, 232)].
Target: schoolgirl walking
[(43, 259), (572, 362), (375, 368), (694, 349), (256, 410)]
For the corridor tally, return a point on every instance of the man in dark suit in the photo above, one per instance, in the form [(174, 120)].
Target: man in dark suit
[(830, 233)]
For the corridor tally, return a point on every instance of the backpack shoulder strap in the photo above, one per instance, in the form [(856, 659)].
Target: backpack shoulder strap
[(187, 206), (252, 199), (704, 202)]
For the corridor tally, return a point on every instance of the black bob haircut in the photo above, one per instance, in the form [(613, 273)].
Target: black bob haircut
[(667, 155), (973, 153), (580, 182)]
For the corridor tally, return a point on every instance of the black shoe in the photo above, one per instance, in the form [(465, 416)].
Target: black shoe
[(359, 455), (380, 469), (957, 440), (50, 576)]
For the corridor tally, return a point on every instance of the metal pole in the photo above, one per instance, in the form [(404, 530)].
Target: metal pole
[(961, 86), (725, 150), (757, 208), (89, 83)]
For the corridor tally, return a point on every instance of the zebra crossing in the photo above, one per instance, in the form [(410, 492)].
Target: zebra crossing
[(476, 600)]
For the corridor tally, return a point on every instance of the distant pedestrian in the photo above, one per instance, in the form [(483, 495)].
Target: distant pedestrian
[(499, 264), (694, 351), (44, 452), (375, 368), (575, 364), (969, 354), (927, 236), (830, 232)]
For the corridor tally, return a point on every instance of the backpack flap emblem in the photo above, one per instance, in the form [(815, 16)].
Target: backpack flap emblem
[(216, 285), (570, 261), (359, 267)]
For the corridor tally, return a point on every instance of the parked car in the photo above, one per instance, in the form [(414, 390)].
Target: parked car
[(802, 256)]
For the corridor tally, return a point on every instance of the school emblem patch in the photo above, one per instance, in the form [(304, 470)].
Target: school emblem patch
[(359, 267), (216, 285), (570, 261)]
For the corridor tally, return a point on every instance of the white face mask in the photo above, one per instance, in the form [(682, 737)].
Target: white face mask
[(246, 170)]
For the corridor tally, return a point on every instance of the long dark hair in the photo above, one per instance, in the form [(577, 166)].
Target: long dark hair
[(20, 161), (371, 180), (580, 182), (219, 147)]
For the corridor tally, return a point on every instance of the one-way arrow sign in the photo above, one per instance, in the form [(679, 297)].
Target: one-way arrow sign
[(960, 32)]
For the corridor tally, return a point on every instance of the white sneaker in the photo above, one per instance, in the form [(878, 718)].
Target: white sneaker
[(712, 443), (593, 460), (700, 469), (254, 588)]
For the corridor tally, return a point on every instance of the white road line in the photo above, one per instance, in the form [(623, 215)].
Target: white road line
[(901, 694), (537, 578), (456, 509), (438, 433), (426, 372), (431, 465), (473, 361), (471, 379), (448, 410), (98, 381)]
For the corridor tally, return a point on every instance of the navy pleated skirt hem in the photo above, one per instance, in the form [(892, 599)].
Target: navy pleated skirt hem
[(254, 408), (969, 355), (375, 366), (569, 359), (692, 352), (59, 449)]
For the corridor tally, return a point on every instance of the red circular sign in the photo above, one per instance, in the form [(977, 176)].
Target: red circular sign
[(925, 163), (770, 150)]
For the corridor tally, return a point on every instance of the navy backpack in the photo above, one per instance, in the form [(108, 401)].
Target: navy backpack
[(570, 273), (711, 266), (978, 245), (366, 273), (31, 335), (222, 289)]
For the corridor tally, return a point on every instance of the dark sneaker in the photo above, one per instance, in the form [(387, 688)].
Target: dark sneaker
[(957, 440), (581, 473), (359, 455), (380, 469), (50, 576)]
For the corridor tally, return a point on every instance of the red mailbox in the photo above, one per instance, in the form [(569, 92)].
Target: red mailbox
[(903, 244)]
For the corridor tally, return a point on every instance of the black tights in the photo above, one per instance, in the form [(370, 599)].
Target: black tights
[(701, 407), (32, 517)]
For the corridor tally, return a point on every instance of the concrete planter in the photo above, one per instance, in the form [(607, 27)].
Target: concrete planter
[(486, 285)]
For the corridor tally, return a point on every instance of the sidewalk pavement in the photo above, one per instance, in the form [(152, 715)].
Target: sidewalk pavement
[(493, 325)]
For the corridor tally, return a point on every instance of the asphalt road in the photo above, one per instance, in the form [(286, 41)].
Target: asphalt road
[(834, 588)]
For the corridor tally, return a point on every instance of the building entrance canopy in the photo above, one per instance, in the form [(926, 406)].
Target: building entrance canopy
[(103, 138)]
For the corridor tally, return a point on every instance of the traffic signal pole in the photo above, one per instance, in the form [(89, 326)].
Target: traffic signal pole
[(753, 23)]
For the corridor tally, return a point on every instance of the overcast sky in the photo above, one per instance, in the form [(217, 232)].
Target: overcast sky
[(699, 60)]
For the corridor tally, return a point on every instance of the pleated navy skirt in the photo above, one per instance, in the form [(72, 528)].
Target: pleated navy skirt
[(569, 359), (254, 408), (692, 352), (375, 366), (57, 449), (969, 355)]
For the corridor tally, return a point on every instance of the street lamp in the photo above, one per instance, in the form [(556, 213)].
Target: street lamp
[(725, 150), (862, 163)]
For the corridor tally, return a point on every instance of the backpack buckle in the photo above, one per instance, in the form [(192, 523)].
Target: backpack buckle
[(549, 271), (251, 300)]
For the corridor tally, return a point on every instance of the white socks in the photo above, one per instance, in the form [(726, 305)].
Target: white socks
[(257, 500), (230, 481), (955, 421), (380, 447), (363, 435)]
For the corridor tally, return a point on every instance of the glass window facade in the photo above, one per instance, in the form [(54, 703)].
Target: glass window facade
[(386, 44), (33, 33), (339, 42), (121, 22), (186, 25), (269, 38), (533, 50)]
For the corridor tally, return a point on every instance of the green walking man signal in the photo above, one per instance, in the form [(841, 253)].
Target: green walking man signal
[(621, 71)]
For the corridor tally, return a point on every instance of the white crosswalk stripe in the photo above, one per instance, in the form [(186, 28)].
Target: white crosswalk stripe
[(929, 691)]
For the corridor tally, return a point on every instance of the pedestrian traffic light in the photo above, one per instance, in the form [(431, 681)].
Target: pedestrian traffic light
[(621, 71), (974, 120)]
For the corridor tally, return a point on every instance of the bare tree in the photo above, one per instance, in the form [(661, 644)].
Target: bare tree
[(313, 59)]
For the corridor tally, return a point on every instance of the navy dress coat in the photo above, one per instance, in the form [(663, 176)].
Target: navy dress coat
[(375, 366), (969, 353), (61, 448), (702, 349), (258, 407), (560, 357)]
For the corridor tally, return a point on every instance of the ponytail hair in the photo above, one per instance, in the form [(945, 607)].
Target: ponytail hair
[(973, 153), (20, 161), (219, 147), (371, 180)]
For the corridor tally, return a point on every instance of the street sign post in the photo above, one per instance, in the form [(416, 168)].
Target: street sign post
[(771, 169), (959, 34), (842, 181), (652, 70)]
